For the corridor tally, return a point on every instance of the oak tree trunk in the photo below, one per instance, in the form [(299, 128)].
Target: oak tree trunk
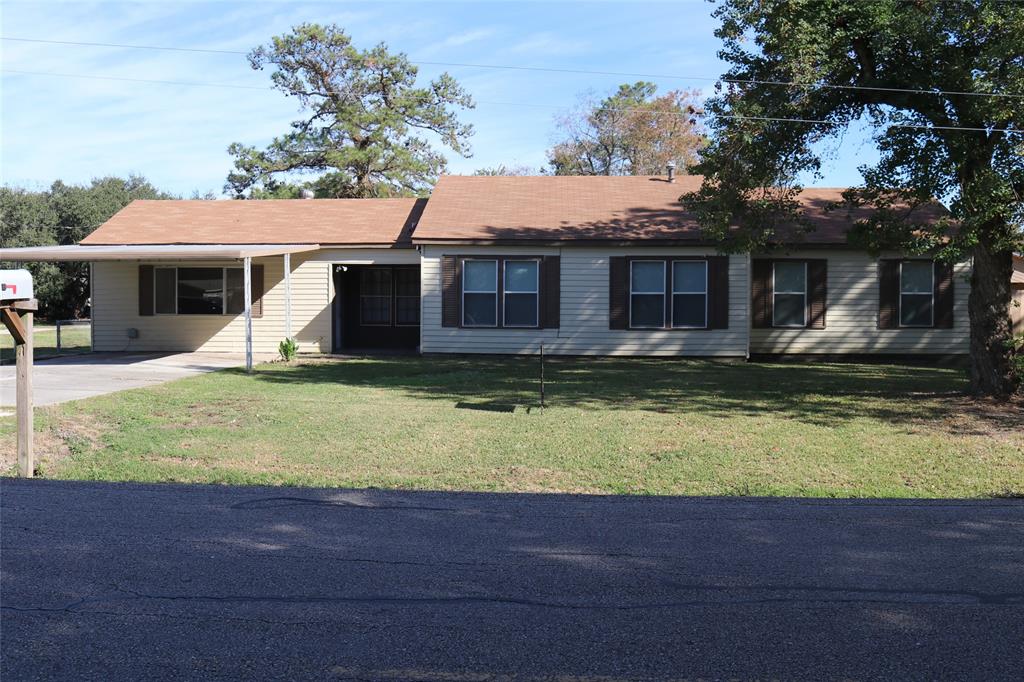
[(989, 307)]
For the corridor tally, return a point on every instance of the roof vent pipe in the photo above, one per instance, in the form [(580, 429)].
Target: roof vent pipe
[(671, 167), (307, 194)]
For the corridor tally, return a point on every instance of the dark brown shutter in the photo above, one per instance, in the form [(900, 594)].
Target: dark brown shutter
[(449, 291), (551, 291), (145, 290), (817, 290), (943, 295), (761, 293), (888, 294), (257, 290), (718, 292), (618, 292)]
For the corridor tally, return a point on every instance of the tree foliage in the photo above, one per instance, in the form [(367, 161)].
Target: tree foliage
[(854, 63), (367, 126), (631, 132), (502, 169), (61, 215)]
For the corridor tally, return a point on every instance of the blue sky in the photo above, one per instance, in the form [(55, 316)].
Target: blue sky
[(176, 135)]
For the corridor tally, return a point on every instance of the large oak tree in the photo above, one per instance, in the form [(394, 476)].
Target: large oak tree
[(367, 126), (911, 71)]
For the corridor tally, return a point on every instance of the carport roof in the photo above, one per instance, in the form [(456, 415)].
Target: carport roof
[(151, 252)]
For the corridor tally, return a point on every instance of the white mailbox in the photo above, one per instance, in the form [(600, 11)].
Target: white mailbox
[(15, 285)]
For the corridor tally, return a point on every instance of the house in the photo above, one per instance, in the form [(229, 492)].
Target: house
[(584, 265)]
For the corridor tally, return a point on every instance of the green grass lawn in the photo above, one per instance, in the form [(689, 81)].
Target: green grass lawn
[(74, 339), (610, 426)]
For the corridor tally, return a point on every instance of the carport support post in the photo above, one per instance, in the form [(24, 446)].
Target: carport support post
[(247, 286), (287, 295)]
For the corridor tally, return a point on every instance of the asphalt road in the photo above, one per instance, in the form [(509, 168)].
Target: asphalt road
[(108, 582)]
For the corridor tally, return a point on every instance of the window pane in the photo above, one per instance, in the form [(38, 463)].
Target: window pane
[(521, 310), (200, 291), (689, 310), (521, 275), (375, 310), (375, 282), (480, 275), (478, 310), (407, 310), (790, 277), (407, 281), (789, 310), (916, 310), (916, 277), (689, 276), (647, 310), (648, 277), (166, 295), (236, 291)]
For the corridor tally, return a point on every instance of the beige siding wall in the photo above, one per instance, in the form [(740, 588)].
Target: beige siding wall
[(584, 311), (852, 313), (116, 308)]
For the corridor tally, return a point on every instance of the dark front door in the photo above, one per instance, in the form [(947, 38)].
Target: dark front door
[(378, 307)]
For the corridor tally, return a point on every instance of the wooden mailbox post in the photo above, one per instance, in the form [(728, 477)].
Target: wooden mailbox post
[(17, 317), (16, 310)]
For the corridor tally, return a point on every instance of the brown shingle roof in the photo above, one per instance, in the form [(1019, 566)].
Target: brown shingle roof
[(284, 221), (618, 208)]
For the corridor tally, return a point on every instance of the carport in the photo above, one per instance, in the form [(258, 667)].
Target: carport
[(176, 252)]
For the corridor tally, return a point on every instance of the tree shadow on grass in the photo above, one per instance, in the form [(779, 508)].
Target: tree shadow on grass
[(821, 394)]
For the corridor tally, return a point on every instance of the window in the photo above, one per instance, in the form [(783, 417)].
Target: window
[(647, 294), (198, 291), (789, 308), (407, 297), (522, 293), (480, 293), (690, 294), (375, 296), (917, 291)]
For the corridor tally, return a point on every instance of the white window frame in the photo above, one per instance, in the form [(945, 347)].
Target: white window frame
[(223, 287), (931, 294), (776, 292), (673, 292), (664, 293), (536, 294), (497, 281)]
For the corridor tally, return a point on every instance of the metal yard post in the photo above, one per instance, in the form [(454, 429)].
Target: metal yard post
[(542, 374), (58, 337), (247, 286)]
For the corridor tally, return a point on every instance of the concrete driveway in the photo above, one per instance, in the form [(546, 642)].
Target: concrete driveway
[(59, 380), (124, 581)]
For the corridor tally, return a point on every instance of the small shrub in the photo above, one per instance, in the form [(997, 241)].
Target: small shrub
[(287, 349)]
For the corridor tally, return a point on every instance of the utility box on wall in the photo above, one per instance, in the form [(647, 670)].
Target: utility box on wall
[(15, 285)]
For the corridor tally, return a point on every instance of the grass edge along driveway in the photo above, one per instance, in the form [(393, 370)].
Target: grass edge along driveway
[(633, 426)]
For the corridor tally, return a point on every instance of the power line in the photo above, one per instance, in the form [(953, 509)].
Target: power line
[(138, 80), (542, 69), (524, 104)]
